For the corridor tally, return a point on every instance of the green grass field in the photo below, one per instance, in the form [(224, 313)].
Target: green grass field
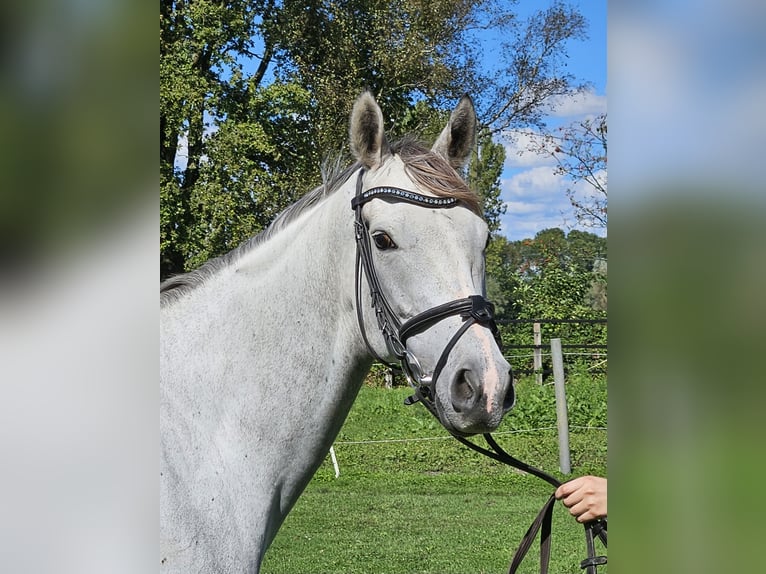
[(417, 501)]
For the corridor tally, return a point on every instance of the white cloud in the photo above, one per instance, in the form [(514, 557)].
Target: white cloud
[(536, 182), (524, 208), (535, 200), (517, 150), (519, 144), (535, 196), (583, 104)]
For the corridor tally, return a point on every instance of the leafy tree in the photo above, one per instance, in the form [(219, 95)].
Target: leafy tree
[(200, 80), (255, 93), (580, 151), (502, 262), (553, 275), (484, 176), (585, 249)]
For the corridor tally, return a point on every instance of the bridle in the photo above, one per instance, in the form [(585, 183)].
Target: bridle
[(474, 309)]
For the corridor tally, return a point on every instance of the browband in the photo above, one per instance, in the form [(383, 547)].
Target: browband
[(402, 195)]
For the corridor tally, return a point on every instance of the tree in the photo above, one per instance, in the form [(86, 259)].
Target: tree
[(403, 51), (580, 151), (200, 80), (256, 93), (553, 275), (484, 173), (532, 73), (501, 263)]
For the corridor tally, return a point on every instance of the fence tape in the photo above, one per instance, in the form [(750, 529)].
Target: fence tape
[(430, 438)]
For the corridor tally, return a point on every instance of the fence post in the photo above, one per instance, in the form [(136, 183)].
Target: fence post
[(562, 420), (334, 462), (538, 354)]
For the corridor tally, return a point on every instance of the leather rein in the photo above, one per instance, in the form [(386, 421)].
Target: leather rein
[(542, 523), (474, 309)]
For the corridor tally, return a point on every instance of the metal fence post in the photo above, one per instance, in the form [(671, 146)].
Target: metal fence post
[(562, 419), (538, 352)]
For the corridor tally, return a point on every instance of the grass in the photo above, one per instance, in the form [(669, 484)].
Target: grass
[(428, 506)]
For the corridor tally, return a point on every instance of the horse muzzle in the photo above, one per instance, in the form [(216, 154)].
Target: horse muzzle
[(472, 399)]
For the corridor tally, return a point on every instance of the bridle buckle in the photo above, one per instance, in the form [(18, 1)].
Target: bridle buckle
[(481, 309)]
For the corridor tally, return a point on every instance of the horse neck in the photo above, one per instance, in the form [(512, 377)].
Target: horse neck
[(282, 313), (302, 279), (259, 367)]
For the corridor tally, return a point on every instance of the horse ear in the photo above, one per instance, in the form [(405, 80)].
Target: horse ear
[(368, 140), (458, 137)]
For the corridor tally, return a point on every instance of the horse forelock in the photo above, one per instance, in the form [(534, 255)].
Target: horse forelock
[(434, 173), (427, 169)]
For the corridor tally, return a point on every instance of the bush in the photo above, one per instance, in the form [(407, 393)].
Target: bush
[(536, 404)]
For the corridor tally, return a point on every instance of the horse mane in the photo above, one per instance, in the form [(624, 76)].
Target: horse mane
[(428, 169)]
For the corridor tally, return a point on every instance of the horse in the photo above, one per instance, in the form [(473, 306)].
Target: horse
[(264, 349)]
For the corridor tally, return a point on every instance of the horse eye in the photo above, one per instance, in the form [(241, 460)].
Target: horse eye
[(383, 241)]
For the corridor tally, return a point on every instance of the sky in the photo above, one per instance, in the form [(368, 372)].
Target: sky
[(535, 197)]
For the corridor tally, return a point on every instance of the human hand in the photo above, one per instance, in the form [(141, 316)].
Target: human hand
[(585, 497)]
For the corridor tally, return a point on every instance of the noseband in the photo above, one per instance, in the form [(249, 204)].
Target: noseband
[(473, 309)]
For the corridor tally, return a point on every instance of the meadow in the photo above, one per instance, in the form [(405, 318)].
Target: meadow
[(411, 499)]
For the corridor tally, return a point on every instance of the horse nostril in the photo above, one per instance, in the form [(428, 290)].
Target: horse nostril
[(463, 392), (510, 395)]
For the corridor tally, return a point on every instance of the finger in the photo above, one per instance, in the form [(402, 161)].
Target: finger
[(565, 489), (586, 516), (579, 509), (572, 499), (568, 488)]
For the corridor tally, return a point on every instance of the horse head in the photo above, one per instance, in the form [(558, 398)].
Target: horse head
[(420, 248)]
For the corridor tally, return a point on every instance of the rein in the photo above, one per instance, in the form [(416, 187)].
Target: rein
[(542, 523)]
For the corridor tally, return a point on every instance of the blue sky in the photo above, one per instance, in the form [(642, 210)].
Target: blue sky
[(536, 198)]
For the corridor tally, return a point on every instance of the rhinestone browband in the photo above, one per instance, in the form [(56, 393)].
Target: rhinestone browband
[(403, 195)]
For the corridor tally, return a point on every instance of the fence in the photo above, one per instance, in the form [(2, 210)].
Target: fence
[(589, 354)]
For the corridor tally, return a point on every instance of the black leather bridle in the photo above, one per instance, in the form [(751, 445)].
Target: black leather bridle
[(474, 309)]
